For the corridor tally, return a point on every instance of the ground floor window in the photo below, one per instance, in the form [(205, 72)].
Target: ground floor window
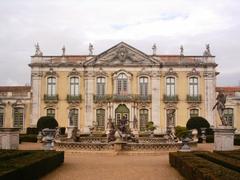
[(18, 113), (228, 115), (143, 119), (100, 117), (51, 112), (194, 113), (73, 117), (1, 116), (171, 117)]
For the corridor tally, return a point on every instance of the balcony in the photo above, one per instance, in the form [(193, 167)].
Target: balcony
[(102, 98), (122, 98), (74, 98), (50, 98), (170, 98), (194, 98), (142, 98)]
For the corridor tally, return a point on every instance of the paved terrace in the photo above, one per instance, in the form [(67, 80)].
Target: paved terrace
[(108, 166)]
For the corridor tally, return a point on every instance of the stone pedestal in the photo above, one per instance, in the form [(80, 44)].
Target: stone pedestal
[(9, 138), (224, 138)]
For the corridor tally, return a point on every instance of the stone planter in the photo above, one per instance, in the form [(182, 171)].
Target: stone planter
[(9, 138), (203, 136), (48, 138)]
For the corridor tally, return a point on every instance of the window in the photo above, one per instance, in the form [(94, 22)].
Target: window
[(73, 117), (100, 86), (228, 115), (122, 84), (170, 85), (18, 117), (74, 86), (100, 119), (51, 86), (51, 112), (143, 86), (1, 116), (193, 86), (194, 113), (143, 119)]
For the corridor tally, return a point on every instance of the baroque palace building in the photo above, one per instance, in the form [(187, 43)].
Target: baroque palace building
[(87, 90)]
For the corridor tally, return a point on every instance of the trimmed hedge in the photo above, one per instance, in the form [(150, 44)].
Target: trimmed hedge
[(32, 130), (225, 161), (194, 167), (28, 138), (232, 154), (28, 165)]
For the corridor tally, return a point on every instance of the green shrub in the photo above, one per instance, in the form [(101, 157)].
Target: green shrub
[(30, 165), (62, 130), (150, 126), (32, 130), (181, 131), (197, 123), (46, 122), (28, 138)]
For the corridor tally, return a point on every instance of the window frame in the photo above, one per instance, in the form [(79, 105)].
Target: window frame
[(171, 86), (143, 85), (51, 86), (74, 87), (193, 86)]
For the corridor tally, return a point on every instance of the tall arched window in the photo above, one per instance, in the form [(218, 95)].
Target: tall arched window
[(194, 113), (73, 117), (143, 86), (74, 86), (228, 115), (170, 86), (122, 85), (143, 119), (51, 86), (1, 116), (18, 114), (100, 117), (51, 112), (193, 86), (100, 86)]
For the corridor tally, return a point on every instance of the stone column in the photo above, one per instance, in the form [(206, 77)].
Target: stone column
[(210, 96), (36, 97), (156, 100), (89, 91)]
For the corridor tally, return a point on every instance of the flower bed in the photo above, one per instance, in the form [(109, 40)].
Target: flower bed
[(26, 164), (192, 166)]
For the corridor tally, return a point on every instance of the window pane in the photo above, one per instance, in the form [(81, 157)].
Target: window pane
[(18, 117)]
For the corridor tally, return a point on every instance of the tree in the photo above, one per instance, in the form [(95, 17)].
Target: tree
[(197, 123)]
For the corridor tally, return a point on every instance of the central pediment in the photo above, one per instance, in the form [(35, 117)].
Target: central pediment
[(122, 54)]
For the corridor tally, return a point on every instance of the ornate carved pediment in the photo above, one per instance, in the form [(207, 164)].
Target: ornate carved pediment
[(74, 72), (194, 72), (18, 103), (124, 55), (170, 106), (101, 72), (170, 72), (51, 72), (143, 72), (193, 106), (115, 74)]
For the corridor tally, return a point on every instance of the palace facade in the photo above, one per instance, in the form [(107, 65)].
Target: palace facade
[(87, 90)]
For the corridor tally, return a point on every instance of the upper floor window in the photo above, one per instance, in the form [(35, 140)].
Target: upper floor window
[(228, 115), (143, 86), (122, 85), (51, 86), (18, 114), (193, 86), (194, 113), (170, 85), (100, 86), (73, 117), (51, 112), (1, 116), (74, 86)]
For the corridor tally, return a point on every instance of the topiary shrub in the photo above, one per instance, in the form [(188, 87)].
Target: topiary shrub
[(181, 132), (197, 123), (46, 122), (150, 126)]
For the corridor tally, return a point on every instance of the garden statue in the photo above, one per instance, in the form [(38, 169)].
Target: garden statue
[(111, 135), (170, 117), (75, 134), (220, 104), (123, 125)]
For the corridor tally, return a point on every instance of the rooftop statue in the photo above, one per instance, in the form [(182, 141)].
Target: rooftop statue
[(90, 48), (154, 48), (220, 104), (63, 50), (38, 52), (181, 50), (207, 51)]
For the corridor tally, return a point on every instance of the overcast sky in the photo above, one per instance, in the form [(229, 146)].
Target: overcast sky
[(141, 23)]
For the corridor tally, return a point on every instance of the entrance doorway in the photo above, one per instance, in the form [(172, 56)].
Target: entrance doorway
[(120, 112)]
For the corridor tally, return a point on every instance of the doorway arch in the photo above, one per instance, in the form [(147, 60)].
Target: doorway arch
[(120, 112)]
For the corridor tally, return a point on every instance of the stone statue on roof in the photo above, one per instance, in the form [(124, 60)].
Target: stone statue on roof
[(90, 48), (63, 50), (154, 48), (207, 51), (38, 52), (181, 50)]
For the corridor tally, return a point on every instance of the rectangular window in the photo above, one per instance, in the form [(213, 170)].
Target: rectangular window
[(74, 86), (170, 86), (193, 86), (228, 115), (143, 86), (51, 86), (51, 112), (100, 86), (18, 117), (194, 113)]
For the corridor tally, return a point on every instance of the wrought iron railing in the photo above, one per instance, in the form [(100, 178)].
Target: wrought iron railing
[(170, 98), (74, 98), (50, 98), (194, 98)]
